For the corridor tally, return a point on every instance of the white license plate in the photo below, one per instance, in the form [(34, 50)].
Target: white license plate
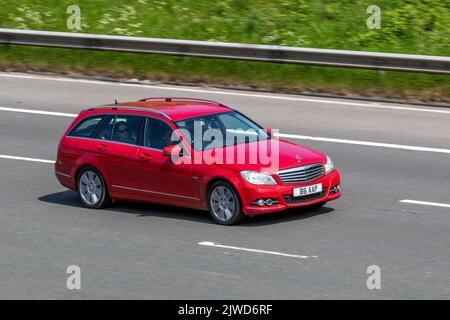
[(304, 191)]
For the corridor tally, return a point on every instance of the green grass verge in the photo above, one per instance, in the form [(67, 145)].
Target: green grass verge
[(418, 27)]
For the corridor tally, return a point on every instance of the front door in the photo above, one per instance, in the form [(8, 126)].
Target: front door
[(161, 178)]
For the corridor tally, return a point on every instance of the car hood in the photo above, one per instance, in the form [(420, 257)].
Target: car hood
[(269, 160)]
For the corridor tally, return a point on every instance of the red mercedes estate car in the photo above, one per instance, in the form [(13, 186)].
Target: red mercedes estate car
[(192, 153)]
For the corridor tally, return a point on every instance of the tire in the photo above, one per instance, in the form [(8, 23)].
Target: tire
[(317, 205), (224, 204), (91, 188)]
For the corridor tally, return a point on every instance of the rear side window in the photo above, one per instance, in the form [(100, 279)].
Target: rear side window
[(126, 129), (105, 132), (86, 128)]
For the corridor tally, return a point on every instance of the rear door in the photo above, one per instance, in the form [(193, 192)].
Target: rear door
[(117, 143)]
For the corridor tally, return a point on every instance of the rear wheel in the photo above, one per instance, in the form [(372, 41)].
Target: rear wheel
[(92, 189), (223, 204)]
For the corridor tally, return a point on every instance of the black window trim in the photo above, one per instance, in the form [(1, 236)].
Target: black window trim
[(100, 124), (141, 142)]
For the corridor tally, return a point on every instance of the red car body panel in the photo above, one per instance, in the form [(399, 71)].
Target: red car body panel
[(133, 172)]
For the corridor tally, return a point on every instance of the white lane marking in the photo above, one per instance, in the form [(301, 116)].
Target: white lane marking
[(281, 135), (267, 96), (364, 143), (3, 156), (56, 78), (229, 92), (426, 203), (47, 113), (212, 244)]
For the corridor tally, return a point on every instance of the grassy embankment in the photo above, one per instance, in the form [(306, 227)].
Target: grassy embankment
[(416, 27)]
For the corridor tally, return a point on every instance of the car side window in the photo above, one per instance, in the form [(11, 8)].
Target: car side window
[(105, 132), (158, 134), (86, 128), (126, 129), (234, 127)]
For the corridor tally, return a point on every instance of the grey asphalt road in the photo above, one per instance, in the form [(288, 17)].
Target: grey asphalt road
[(147, 251)]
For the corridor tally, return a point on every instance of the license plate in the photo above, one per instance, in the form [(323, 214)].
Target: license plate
[(304, 191)]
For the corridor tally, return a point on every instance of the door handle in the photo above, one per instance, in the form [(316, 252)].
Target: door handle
[(145, 156), (103, 147)]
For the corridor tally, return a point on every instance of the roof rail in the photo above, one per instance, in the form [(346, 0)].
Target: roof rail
[(182, 99), (114, 107)]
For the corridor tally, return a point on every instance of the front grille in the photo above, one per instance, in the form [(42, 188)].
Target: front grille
[(301, 174), (291, 200)]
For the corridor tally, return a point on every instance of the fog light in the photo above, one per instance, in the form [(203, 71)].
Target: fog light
[(264, 202), (335, 189), (260, 202)]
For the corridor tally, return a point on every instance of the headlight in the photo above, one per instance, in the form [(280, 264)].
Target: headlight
[(329, 166), (254, 177)]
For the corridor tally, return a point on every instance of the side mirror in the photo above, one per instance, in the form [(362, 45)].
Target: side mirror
[(173, 149), (269, 131)]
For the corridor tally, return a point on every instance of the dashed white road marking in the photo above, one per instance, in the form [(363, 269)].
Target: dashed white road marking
[(229, 92), (212, 244), (364, 143), (3, 156), (426, 203)]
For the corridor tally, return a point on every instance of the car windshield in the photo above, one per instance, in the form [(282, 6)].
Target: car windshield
[(220, 130)]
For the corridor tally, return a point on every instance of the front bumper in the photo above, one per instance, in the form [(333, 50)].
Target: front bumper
[(282, 193)]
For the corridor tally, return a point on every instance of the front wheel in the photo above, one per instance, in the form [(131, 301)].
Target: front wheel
[(223, 204), (92, 189)]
